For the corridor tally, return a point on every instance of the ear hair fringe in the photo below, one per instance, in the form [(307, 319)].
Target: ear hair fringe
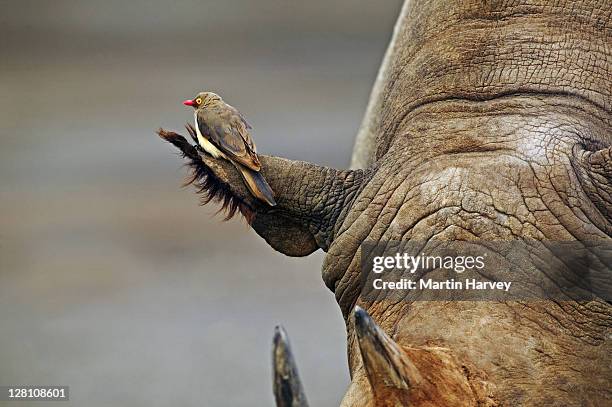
[(208, 186)]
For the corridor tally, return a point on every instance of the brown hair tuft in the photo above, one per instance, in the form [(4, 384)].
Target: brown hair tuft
[(208, 186)]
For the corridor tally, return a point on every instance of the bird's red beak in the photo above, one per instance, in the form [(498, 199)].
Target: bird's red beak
[(189, 102)]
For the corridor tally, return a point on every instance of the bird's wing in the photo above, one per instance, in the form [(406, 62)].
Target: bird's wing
[(246, 124), (243, 127), (227, 130)]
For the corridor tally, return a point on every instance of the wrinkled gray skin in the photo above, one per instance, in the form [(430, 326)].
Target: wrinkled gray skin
[(489, 121)]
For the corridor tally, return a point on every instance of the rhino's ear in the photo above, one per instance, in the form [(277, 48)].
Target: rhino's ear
[(310, 198), (288, 391), (595, 171)]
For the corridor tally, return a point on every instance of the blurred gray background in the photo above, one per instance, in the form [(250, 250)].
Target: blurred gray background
[(113, 280)]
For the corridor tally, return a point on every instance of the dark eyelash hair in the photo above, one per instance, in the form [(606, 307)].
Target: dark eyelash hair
[(208, 186)]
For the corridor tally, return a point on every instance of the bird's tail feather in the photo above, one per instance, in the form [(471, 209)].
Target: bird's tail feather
[(257, 184)]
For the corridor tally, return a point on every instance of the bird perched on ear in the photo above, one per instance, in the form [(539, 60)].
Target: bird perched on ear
[(223, 133)]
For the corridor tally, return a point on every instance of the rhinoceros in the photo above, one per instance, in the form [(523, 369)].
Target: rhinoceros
[(489, 121)]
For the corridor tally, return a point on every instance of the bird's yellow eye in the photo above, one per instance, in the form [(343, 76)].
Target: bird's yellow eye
[(199, 100)]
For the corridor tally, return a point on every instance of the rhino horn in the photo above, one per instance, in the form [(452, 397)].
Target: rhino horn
[(288, 390), (386, 364)]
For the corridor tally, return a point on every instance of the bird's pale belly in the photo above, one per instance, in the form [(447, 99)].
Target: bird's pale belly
[(210, 148)]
